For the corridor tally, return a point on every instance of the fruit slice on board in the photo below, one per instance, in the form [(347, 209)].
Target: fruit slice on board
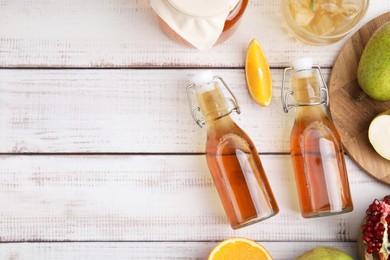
[(258, 75), (379, 134), (239, 249)]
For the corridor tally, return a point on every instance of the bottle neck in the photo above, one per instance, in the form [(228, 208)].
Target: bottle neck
[(305, 87), (211, 102), (223, 122), (307, 91), (310, 113)]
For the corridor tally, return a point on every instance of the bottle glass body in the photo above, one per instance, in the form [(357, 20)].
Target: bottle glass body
[(317, 155), (235, 165)]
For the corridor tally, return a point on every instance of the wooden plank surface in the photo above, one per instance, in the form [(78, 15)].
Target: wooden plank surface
[(153, 198), (109, 111), (149, 250), (97, 33), (84, 197)]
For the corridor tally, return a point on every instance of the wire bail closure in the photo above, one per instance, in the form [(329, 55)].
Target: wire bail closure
[(196, 110), (285, 95)]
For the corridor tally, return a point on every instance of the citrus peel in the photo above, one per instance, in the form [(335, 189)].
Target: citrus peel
[(239, 249), (258, 75)]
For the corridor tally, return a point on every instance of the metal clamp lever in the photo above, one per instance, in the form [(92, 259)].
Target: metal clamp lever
[(195, 110), (285, 95)]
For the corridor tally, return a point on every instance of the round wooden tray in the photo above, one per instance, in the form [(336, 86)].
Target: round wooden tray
[(352, 110)]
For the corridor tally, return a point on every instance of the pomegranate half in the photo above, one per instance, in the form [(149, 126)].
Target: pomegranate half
[(375, 230)]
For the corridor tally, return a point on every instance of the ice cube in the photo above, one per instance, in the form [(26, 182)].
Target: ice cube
[(322, 24), (335, 2), (351, 7), (341, 21), (331, 7), (301, 14), (305, 3)]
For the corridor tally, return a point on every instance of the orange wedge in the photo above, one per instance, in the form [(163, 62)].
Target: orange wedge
[(258, 75), (239, 249)]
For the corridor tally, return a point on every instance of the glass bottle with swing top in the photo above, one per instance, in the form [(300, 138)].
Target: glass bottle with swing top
[(316, 149), (231, 156)]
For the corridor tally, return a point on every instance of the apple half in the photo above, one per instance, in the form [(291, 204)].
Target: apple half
[(379, 134)]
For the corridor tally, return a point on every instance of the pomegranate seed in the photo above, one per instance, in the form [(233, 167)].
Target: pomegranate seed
[(379, 233), (375, 219), (381, 227)]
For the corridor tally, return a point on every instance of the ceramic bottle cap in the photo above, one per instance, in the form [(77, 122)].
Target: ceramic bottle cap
[(302, 64), (202, 77), (302, 67)]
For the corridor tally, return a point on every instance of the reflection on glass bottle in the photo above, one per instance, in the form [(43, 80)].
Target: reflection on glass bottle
[(232, 158), (316, 149)]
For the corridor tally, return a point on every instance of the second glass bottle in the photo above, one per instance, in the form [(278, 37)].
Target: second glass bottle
[(316, 148), (231, 155)]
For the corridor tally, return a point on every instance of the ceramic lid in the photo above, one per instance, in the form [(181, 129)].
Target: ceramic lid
[(302, 63), (202, 77)]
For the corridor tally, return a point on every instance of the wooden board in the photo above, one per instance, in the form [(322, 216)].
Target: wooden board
[(352, 111)]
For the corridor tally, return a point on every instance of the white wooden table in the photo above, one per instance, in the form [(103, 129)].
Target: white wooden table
[(100, 158)]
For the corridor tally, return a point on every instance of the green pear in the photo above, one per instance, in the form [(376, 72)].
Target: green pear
[(379, 134), (324, 253), (373, 72)]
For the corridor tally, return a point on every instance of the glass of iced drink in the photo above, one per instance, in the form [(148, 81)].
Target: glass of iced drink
[(322, 22)]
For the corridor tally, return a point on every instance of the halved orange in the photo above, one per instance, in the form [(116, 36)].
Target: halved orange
[(239, 249), (258, 75)]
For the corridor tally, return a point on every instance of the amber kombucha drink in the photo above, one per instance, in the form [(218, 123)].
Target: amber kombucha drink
[(234, 164), (239, 176), (317, 155)]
